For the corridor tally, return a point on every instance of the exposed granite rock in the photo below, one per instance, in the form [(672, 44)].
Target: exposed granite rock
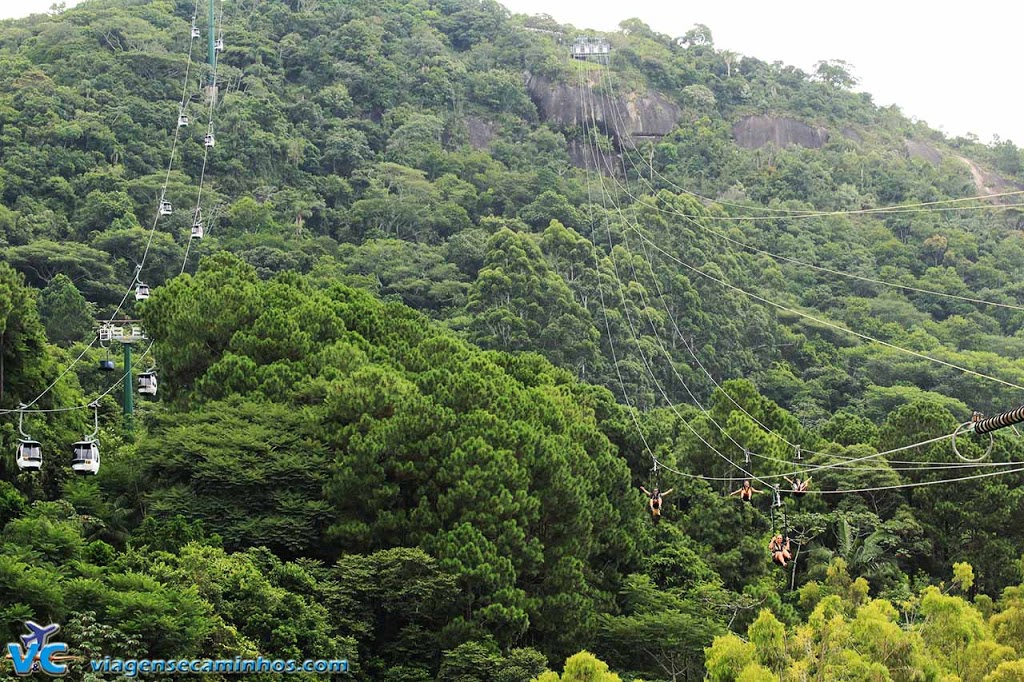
[(985, 181), (481, 132), (924, 152), (852, 134), (630, 115), (754, 132), (988, 182), (582, 156)]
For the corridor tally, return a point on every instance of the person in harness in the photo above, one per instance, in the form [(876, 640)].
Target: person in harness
[(779, 550), (746, 492), (654, 503), (799, 485)]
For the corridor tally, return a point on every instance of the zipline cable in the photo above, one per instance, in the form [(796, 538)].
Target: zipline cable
[(844, 464), (592, 148), (786, 213), (698, 222), (615, 363), (916, 484), (612, 105), (609, 199), (826, 323), (834, 326)]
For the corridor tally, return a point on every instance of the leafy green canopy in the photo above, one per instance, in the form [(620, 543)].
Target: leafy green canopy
[(846, 635), (395, 146), (392, 144), (379, 429)]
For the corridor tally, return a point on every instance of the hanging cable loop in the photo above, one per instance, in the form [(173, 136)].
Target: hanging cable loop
[(980, 425), (972, 427)]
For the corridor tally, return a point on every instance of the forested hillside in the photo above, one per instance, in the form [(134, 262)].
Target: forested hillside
[(435, 301)]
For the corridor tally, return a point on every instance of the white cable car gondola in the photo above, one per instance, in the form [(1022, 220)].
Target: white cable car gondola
[(30, 452), (30, 455), (209, 140), (86, 453), (219, 45), (195, 31), (165, 207), (141, 291), (147, 383), (182, 119), (197, 225), (86, 458)]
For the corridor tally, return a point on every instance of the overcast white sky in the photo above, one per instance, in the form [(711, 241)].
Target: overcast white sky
[(955, 65)]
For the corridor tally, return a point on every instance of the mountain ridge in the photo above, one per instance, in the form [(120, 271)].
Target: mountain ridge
[(422, 361)]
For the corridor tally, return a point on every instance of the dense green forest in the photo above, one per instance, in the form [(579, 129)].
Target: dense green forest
[(456, 293)]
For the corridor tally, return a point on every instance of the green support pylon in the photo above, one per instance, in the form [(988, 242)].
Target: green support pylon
[(129, 389), (211, 55)]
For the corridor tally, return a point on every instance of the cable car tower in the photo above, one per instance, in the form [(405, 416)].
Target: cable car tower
[(213, 46), (591, 49), (128, 332)]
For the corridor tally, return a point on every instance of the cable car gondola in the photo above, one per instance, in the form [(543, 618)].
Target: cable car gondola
[(85, 458), (197, 225), (30, 452), (147, 383), (30, 455), (165, 207), (107, 365), (141, 291), (209, 140), (195, 31)]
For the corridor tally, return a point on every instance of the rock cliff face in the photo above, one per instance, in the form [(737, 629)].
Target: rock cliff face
[(988, 182), (852, 134), (985, 181), (480, 132), (630, 116), (754, 132), (923, 152), (583, 156)]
